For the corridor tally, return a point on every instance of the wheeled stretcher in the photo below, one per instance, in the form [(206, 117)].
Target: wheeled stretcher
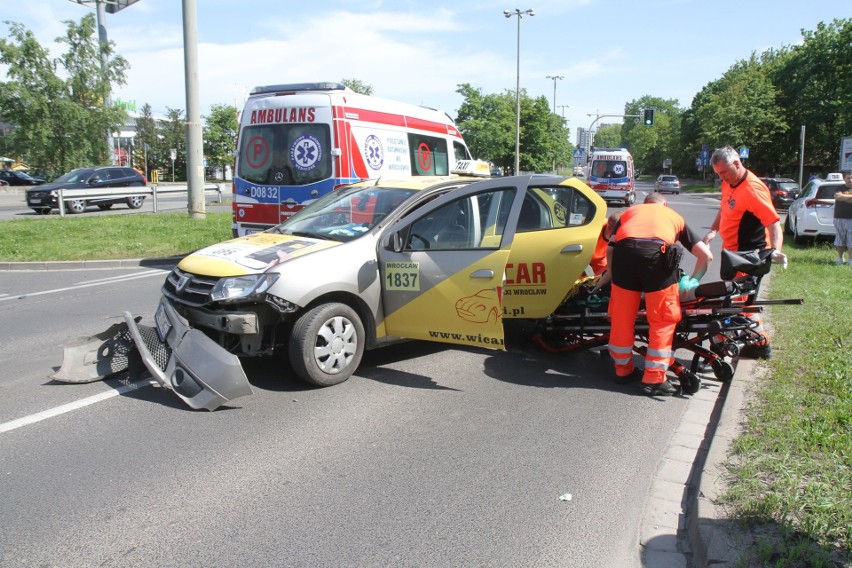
[(715, 324)]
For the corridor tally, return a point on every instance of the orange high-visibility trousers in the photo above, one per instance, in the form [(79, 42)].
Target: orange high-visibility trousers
[(663, 313)]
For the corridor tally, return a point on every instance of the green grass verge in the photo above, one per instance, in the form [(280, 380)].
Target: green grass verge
[(110, 237), (791, 469)]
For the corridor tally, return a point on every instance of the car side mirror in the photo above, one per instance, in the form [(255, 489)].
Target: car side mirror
[(393, 242)]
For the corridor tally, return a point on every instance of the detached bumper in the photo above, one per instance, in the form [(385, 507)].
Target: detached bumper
[(194, 366)]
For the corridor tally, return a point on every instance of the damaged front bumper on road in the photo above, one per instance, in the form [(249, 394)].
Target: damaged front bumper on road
[(196, 368)]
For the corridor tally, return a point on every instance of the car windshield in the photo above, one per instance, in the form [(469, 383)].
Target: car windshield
[(609, 168), (668, 178), (74, 175), (22, 175), (788, 185), (346, 214)]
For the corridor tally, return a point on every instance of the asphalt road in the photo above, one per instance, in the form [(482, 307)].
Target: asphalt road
[(428, 456)]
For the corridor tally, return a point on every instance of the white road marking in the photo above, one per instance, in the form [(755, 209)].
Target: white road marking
[(87, 284), (71, 406)]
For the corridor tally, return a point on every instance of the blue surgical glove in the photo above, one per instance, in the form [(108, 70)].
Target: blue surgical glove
[(687, 283)]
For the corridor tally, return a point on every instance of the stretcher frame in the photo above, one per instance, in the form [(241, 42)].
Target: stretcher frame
[(715, 325)]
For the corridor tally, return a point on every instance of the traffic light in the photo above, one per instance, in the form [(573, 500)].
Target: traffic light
[(649, 117)]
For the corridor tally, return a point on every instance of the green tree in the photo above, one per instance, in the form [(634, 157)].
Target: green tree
[(57, 105), (814, 89), (487, 123), (651, 145), (147, 144), (741, 109), (358, 86), (608, 137), (172, 135), (220, 135)]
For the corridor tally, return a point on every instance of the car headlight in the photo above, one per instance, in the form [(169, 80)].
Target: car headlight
[(242, 287)]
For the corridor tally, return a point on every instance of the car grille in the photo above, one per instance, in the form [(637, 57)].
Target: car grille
[(187, 288), (159, 351)]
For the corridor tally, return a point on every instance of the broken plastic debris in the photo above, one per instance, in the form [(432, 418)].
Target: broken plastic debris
[(565, 497)]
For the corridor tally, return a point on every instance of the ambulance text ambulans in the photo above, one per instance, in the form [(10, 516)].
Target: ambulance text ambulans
[(611, 175), (298, 142)]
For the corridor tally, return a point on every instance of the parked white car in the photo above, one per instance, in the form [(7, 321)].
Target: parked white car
[(812, 215)]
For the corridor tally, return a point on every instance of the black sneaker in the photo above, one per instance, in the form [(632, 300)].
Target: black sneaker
[(634, 377), (756, 352), (660, 389)]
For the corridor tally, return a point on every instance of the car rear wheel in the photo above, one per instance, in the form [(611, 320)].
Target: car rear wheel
[(327, 344), (75, 205), (135, 201)]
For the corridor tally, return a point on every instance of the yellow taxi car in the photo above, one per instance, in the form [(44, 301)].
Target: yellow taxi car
[(445, 259)]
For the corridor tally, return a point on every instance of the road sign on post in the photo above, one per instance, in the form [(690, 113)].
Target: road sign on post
[(743, 153)]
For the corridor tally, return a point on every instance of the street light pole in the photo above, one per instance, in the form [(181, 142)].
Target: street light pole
[(555, 78), (520, 14)]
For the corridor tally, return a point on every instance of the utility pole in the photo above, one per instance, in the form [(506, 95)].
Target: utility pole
[(194, 144), (555, 78), (520, 14)]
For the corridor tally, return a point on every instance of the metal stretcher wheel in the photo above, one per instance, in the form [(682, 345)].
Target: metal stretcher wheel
[(722, 370), (689, 381)]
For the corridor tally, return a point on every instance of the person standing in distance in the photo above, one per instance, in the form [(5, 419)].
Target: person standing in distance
[(843, 220), (746, 221)]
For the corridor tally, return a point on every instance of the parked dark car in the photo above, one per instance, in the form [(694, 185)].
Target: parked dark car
[(14, 177), (45, 197), (784, 191)]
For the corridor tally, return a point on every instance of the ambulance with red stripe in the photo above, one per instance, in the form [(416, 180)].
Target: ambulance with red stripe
[(611, 174), (298, 142)]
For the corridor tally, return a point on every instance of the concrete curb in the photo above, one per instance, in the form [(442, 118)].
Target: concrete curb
[(713, 538)]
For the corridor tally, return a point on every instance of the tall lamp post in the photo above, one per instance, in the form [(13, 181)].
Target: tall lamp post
[(520, 14), (555, 78)]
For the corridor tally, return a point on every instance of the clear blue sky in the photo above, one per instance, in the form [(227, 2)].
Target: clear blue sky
[(609, 52)]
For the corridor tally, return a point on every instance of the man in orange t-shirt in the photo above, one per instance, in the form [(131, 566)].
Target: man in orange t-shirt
[(746, 220)]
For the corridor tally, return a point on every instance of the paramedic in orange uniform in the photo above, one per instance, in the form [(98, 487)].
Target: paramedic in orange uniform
[(640, 261), (747, 220)]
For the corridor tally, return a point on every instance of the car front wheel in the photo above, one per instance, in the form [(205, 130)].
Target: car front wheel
[(136, 201), (327, 344), (75, 205)]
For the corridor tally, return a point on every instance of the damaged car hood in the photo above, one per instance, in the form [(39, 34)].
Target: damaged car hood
[(251, 254)]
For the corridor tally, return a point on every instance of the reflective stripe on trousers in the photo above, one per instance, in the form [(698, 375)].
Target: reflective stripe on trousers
[(663, 313)]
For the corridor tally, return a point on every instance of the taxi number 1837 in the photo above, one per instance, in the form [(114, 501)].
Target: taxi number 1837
[(402, 276)]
